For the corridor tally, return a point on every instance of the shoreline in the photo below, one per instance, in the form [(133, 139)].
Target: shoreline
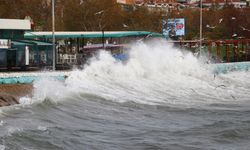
[(14, 85)]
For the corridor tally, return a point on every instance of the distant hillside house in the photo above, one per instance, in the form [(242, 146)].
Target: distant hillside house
[(126, 2), (156, 5), (179, 4), (223, 3)]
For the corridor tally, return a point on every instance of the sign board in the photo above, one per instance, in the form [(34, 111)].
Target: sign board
[(173, 27), (4, 43)]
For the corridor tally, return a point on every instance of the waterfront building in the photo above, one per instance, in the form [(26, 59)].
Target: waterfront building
[(18, 53)]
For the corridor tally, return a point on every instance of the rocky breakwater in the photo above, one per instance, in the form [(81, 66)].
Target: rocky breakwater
[(10, 93)]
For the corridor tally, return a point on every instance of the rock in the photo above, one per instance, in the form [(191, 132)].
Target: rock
[(7, 100)]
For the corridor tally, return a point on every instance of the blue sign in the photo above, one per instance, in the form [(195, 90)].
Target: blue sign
[(173, 27)]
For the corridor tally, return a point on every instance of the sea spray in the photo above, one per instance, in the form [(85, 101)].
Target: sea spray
[(155, 73), (45, 88), (2, 147)]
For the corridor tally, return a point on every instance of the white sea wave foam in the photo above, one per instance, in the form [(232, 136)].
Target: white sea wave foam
[(42, 128), (155, 73), (2, 147), (12, 130), (1, 122)]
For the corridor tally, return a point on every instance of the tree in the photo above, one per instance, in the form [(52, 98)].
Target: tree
[(91, 15), (97, 15), (39, 12)]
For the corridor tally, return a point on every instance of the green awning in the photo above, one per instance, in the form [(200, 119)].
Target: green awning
[(39, 43), (19, 43), (98, 34)]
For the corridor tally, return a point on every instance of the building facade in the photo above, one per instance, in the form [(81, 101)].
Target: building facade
[(18, 53)]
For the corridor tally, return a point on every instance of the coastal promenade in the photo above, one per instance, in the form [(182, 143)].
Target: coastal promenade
[(29, 77)]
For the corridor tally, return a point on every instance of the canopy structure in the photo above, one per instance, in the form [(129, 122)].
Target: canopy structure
[(94, 34), (19, 43), (13, 28), (39, 43)]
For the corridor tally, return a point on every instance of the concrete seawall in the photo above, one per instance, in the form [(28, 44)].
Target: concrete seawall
[(10, 93)]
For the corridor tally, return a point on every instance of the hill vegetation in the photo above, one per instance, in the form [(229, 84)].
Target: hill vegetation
[(96, 15)]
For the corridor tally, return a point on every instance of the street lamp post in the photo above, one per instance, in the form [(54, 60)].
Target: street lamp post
[(200, 25), (53, 35)]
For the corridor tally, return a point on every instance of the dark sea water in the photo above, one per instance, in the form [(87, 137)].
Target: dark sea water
[(161, 98)]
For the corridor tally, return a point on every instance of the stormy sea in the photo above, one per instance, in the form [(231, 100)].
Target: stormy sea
[(162, 97)]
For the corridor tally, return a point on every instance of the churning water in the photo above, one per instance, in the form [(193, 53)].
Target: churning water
[(160, 98)]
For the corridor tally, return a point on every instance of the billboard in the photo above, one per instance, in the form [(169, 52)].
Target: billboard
[(173, 27)]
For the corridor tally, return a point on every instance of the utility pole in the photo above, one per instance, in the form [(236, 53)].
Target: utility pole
[(103, 39), (53, 35), (200, 26)]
